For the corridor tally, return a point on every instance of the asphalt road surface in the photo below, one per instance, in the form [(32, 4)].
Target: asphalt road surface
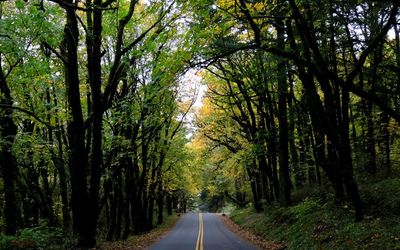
[(199, 231)]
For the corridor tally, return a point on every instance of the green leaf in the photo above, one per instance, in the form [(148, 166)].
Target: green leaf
[(20, 4)]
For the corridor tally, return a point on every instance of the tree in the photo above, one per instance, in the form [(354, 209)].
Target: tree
[(64, 119), (322, 54)]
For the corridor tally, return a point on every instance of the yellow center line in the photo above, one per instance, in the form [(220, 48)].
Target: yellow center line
[(202, 229), (199, 242)]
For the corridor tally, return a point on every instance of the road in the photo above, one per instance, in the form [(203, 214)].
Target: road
[(199, 231)]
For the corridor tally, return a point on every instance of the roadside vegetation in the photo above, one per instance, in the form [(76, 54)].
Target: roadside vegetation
[(315, 222), (40, 238), (48, 238)]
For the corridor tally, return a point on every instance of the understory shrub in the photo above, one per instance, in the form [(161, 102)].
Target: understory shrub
[(35, 238)]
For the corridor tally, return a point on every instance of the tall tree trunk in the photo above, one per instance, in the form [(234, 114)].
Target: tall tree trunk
[(284, 178), (385, 134), (315, 107), (397, 53), (77, 158), (47, 199), (93, 43), (63, 181), (59, 163), (120, 208), (143, 187), (113, 210), (266, 177), (168, 203), (8, 165), (345, 151), (160, 197), (136, 192), (298, 171), (311, 139), (253, 184), (272, 154), (128, 197), (370, 139), (151, 197)]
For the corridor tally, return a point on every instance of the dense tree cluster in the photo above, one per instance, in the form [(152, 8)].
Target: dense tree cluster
[(92, 116), (299, 93)]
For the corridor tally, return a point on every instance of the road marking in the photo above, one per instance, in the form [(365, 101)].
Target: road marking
[(199, 242), (202, 229)]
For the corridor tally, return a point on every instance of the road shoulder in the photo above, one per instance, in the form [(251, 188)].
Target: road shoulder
[(249, 236), (143, 241)]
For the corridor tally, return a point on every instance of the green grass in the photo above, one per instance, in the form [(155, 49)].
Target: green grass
[(316, 223)]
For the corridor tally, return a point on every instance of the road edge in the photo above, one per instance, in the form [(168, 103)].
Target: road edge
[(249, 236), (144, 241)]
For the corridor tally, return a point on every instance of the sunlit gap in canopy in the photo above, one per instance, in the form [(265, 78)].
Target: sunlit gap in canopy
[(191, 91)]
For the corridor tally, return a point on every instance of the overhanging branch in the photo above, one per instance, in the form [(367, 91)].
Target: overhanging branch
[(30, 113)]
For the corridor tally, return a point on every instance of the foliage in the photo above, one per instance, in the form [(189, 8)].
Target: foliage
[(42, 237), (382, 198), (313, 224)]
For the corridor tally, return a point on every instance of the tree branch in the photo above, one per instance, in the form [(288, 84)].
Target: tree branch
[(222, 143), (30, 113), (58, 54), (374, 43)]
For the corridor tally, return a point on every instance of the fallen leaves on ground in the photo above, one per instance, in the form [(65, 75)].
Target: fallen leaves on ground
[(143, 241)]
